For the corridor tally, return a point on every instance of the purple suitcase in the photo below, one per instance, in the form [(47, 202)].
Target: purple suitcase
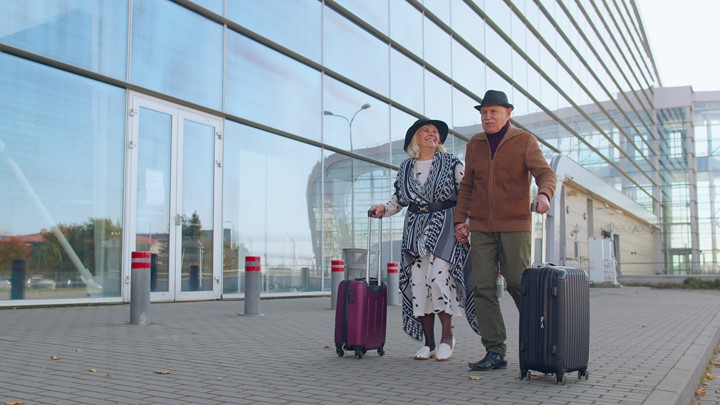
[(554, 321), (361, 310)]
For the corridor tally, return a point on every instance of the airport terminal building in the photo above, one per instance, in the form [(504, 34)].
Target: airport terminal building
[(207, 131)]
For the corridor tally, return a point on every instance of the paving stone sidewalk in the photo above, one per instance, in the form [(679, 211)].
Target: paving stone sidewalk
[(647, 347)]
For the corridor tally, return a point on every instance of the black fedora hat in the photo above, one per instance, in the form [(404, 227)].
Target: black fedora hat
[(494, 97), (440, 125)]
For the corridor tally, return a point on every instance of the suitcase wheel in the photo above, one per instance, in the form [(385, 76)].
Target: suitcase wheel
[(560, 379), (583, 373), (381, 351), (359, 353), (339, 350), (523, 374)]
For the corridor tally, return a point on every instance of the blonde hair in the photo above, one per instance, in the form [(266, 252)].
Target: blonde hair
[(413, 150)]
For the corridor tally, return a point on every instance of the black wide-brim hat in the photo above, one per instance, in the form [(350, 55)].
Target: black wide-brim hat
[(494, 97), (440, 125)]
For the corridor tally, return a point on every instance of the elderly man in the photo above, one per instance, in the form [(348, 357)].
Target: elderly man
[(494, 212)]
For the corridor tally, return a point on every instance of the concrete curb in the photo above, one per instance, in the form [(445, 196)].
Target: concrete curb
[(678, 385)]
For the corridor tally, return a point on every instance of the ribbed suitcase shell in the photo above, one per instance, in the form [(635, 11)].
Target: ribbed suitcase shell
[(361, 316), (361, 309), (554, 321)]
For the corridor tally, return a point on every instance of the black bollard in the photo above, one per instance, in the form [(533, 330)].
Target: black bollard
[(194, 281), (17, 291), (153, 271)]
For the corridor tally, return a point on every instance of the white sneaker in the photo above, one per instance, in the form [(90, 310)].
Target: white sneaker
[(445, 351), (424, 353)]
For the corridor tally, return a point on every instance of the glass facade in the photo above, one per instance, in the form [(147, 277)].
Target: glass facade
[(209, 131)]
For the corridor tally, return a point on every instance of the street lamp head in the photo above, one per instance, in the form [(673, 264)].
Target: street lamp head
[(365, 106), (326, 112)]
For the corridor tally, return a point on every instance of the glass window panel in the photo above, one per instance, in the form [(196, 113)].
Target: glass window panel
[(275, 223), (498, 51), (294, 24), (267, 87), (467, 69), (152, 227), (400, 122), (441, 8), (198, 169), (406, 26), (469, 25), (86, 33), (61, 176), (438, 98), (405, 76), (464, 112), (499, 13), (437, 47), (216, 6), (348, 125), (495, 82), (373, 12), (177, 52), (348, 48)]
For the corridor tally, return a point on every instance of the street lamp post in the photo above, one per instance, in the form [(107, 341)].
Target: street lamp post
[(352, 162)]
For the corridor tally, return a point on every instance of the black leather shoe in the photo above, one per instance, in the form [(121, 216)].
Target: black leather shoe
[(491, 361)]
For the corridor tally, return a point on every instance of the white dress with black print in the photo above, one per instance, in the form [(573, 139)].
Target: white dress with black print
[(435, 270)]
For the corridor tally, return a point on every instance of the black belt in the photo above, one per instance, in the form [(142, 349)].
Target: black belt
[(432, 207)]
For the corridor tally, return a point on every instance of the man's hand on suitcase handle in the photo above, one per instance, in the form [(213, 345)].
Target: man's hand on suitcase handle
[(540, 204)]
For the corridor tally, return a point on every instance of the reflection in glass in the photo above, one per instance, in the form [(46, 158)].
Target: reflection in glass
[(278, 21), (61, 173), (267, 87), (88, 34), (177, 52), (369, 129), (345, 43), (267, 204), (153, 198), (197, 207)]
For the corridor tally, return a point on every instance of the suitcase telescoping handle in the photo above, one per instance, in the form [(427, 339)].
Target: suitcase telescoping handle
[(379, 262)]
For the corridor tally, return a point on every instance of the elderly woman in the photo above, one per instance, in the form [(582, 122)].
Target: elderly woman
[(433, 274)]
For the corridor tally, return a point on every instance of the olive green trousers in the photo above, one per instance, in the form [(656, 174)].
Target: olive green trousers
[(490, 253)]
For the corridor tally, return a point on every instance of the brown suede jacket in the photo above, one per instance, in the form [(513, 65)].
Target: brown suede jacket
[(495, 192)]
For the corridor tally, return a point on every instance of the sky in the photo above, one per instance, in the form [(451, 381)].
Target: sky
[(685, 41)]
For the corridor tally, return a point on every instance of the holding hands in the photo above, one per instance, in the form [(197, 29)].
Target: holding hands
[(462, 232)]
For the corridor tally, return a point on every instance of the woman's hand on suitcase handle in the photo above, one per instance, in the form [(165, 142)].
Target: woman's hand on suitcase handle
[(376, 211)]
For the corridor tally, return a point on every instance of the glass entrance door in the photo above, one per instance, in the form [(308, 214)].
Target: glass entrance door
[(175, 160)]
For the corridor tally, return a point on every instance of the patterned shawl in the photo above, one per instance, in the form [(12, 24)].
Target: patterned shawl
[(434, 232)]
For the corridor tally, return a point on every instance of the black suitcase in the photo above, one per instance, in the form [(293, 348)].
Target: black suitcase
[(554, 322)]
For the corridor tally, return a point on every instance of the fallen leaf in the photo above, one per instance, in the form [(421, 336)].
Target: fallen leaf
[(92, 370), (326, 347), (709, 376), (77, 349), (220, 378), (475, 377), (14, 403), (700, 392), (54, 358), (162, 372), (716, 362)]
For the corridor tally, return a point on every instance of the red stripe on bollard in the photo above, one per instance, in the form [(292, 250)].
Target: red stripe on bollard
[(337, 266), (252, 263), (140, 260), (393, 267)]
